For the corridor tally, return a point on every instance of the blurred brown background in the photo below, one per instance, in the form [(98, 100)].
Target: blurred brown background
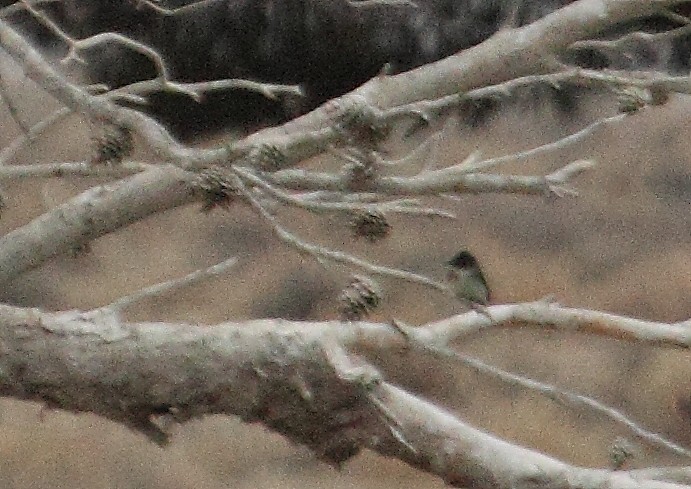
[(623, 246)]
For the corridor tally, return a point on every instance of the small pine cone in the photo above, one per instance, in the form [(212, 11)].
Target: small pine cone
[(267, 157), (371, 225), (359, 298), (217, 187), (113, 144)]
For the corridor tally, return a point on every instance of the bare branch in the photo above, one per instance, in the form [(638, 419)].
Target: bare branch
[(445, 180), (76, 45), (96, 212), (298, 378), (157, 290), (547, 314), (299, 144), (619, 46), (160, 188), (170, 12), (364, 4), (318, 394), (271, 91), (564, 142), (560, 396), (509, 54), (321, 253), (474, 458), (426, 110), (400, 206), (97, 108), (72, 169), (503, 51)]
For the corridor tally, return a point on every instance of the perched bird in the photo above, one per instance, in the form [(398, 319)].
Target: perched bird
[(466, 279)]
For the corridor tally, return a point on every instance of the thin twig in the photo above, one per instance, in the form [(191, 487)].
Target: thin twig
[(556, 394), (159, 289), (271, 91), (166, 12), (546, 148), (321, 253), (453, 179), (617, 45), (14, 112), (400, 206), (34, 131), (72, 169)]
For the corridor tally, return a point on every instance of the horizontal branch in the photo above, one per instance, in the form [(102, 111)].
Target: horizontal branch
[(545, 314), (444, 180), (105, 209), (294, 377)]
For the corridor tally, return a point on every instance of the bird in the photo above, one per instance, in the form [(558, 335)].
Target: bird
[(466, 280)]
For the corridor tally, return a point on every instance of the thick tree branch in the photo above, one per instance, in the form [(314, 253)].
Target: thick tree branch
[(92, 214), (294, 377), (466, 457), (510, 53)]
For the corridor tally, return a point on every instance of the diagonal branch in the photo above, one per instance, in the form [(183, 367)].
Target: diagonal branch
[(321, 253), (94, 213), (157, 290), (556, 394)]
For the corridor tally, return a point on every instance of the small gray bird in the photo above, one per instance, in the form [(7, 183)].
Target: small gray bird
[(466, 279)]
